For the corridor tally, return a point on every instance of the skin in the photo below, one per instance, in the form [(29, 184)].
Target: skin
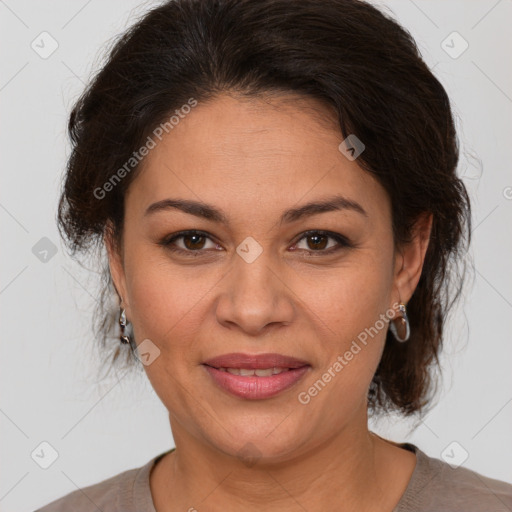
[(253, 159)]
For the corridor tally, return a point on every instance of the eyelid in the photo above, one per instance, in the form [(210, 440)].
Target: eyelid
[(342, 241), (168, 240)]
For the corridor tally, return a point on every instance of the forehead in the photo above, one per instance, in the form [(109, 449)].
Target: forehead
[(274, 150)]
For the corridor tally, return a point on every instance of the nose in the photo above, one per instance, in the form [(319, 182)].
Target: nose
[(254, 296)]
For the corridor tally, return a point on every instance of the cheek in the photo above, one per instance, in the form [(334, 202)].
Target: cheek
[(166, 304), (164, 299), (341, 382), (352, 317), (349, 298)]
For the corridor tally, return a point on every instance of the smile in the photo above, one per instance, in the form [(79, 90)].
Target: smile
[(261, 372), (236, 382)]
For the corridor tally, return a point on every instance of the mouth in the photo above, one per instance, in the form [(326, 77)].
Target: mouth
[(260, 372), (255, 377)]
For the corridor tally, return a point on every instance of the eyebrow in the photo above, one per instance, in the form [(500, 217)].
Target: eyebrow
[(209, 212)]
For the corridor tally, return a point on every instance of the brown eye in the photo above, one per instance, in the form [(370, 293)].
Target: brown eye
[(316, 242), (193, 242), (322, 242)]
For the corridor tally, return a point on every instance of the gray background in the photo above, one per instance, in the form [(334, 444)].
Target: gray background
[(48, 369)]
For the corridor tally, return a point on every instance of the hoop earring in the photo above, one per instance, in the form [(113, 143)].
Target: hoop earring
[(122, 324), (403, 332)]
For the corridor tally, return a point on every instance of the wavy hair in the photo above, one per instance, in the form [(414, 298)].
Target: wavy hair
[(359, 62)]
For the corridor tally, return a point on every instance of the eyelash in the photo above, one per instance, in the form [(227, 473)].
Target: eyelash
[(343, 242)]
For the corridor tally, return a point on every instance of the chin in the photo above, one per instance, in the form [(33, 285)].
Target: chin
[(257, 440)]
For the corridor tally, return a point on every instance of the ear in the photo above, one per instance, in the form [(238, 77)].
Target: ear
[(409, 258), (116, 265)]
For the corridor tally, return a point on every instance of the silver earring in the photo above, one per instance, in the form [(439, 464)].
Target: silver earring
[(403, 331), (122, 324)]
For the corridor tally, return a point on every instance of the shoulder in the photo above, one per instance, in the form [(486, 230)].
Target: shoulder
[(436, 485), (125, 492)]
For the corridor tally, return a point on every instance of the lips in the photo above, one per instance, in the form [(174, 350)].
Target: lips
[(255, 377), (255, 362)]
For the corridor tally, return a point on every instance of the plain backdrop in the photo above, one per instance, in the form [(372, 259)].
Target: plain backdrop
[(49, 393)]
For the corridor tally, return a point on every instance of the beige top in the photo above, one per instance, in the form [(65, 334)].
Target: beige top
[(434, 487)]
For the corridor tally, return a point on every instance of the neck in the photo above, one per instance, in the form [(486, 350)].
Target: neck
[(353, 470)]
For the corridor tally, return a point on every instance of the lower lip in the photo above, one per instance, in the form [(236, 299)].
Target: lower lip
[(256, 388)]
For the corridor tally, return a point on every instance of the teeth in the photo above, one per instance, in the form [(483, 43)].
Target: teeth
[(263, 372)]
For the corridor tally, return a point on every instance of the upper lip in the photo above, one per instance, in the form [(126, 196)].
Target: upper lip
[(255, 361)]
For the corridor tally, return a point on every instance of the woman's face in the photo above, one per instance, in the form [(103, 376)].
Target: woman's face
[(252, 283)]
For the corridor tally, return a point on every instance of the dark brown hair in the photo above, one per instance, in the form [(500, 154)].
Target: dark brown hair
[(359, 62)]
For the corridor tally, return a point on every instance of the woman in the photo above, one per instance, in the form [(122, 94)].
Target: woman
[(275, 186)]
